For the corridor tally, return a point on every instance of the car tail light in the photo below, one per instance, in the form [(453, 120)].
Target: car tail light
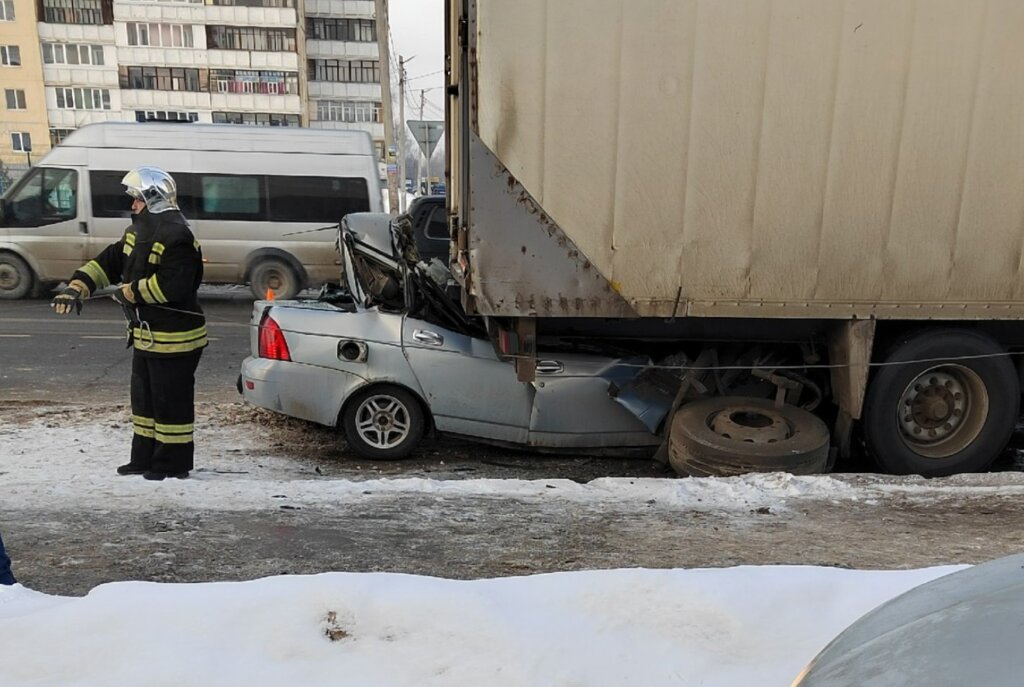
[(272, 342)]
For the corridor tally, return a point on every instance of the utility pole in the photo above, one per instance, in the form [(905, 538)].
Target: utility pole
[(385, 92), (419, 158), (401, 135)]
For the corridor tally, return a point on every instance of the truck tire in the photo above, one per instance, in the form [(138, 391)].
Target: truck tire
[(274, 274), (16, 277), (383, 423), (952, 412), (726, 436)]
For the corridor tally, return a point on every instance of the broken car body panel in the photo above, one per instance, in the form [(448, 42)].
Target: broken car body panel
[(418, 338)]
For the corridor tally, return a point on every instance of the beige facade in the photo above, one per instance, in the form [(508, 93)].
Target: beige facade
[(220, 61), (25, 80)]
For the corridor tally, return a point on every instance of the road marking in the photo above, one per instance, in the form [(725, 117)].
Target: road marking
[(15, 336), (34, 320)]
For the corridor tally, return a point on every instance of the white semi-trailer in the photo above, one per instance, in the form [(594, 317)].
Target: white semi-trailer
[(826, 196)]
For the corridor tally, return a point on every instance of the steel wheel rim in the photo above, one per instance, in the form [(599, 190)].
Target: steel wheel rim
[(9, 277), (383, 422), (942, 411), (276, 280), (750, 425)]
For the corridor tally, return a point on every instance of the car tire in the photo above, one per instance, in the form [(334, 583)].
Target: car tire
[(16, 278), (766, 438), (952, 413), (276, 275), (383, 423)]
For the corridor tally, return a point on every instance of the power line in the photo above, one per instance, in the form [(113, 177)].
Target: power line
[(423, 76)]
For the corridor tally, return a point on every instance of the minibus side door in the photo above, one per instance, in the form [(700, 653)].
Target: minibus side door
[(47, 218)]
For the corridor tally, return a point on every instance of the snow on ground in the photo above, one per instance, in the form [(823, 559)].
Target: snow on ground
[(67, 461), (732, 627), (712, 627)]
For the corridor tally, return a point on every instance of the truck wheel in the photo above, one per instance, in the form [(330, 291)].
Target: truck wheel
[(383, 423), (274, 274), (726, 436), (16, 277), (952, 412)]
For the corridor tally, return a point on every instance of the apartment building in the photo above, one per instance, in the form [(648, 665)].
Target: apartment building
[(221, 61), (343, 69), (23, 124)]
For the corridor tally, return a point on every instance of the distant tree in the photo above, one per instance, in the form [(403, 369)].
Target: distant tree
[(5, 177)]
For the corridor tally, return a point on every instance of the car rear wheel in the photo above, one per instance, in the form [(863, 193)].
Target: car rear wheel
[(15, 277), (383, 423)]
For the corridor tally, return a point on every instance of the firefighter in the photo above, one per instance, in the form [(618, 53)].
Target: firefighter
[(158, 266)]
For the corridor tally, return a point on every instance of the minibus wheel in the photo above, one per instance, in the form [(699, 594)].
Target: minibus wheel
[(16, 277), (276, 275)]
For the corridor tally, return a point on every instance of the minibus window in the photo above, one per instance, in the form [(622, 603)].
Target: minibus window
[(316, 199), (231, 197), (109, 199), (108, 196), (47, 196)]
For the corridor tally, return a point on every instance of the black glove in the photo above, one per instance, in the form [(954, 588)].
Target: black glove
[(67, 300)]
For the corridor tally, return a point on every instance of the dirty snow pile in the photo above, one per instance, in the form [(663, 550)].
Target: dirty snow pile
[(732, 627)]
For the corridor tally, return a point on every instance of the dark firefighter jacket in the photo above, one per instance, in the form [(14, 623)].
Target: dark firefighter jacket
[(163, 262)]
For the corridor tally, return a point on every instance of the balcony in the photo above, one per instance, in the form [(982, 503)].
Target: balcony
[(341, 50)]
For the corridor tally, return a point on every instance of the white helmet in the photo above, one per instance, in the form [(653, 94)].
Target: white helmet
[(154, 187)]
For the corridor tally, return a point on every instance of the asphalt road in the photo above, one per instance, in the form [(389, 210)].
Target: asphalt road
[(47, 357)]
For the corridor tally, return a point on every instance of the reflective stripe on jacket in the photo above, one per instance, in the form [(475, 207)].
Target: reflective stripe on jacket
[(160, 258)]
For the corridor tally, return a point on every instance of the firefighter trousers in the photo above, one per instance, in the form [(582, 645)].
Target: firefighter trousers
[(163, 411)]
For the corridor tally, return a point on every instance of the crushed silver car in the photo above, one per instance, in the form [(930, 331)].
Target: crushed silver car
[(389, 355)]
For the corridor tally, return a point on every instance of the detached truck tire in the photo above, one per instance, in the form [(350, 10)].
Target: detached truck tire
[(952, 412), (728, 436)]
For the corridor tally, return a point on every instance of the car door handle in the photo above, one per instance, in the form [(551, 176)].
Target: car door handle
[(550, 367), (83, 227), (428, 337)]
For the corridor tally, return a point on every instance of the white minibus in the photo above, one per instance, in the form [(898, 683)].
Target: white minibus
[(253, 196)]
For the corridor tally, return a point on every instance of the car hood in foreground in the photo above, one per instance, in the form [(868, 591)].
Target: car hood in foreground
[(961, 629)]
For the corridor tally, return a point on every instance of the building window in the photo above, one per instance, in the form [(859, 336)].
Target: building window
[(165, 116), (348, 111), (253, 3), (161, 78), (6, 10), (96, 12), (10, 55), (250, 38), (72, 53), (21, 142), (331, 29), (246, 81), (256, 118), (58, 135), (83, 98), (160, 35), (354, 71), (15, 98)]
